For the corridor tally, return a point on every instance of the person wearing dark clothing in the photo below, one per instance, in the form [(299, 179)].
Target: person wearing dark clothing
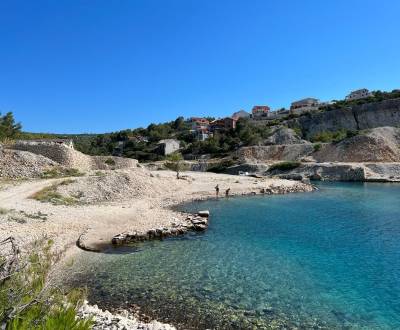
[(217, 190)]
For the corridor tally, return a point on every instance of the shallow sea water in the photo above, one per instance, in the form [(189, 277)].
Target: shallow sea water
[(327, 259)]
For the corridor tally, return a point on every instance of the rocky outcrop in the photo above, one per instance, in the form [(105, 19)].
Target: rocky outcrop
[(376, 145), (246, 167), (194, 222), (359, 117), (382, 172), (284, 135), (290, 152)]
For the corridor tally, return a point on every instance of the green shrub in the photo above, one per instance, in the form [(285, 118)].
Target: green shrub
[(110, 161), (221, 167), (298, 131), (351, 133), (317, 146), (175, 163), (73, 172), (284, 166), (327, 136), (50, 195), (99, 173), (27, 300)]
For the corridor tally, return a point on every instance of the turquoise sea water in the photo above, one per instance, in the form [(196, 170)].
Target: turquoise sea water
[(328, 259)]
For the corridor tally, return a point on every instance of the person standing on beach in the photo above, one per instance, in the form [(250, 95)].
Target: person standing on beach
[(217, 190), (227, 192)]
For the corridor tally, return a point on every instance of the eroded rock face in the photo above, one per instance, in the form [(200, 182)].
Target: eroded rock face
[(360, 117), (289, 152), (382, 172), (377, 145), (284, 135)]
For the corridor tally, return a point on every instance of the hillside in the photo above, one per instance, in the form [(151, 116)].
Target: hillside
[(354, 118)]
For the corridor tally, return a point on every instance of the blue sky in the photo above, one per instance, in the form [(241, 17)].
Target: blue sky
[(99, 66)]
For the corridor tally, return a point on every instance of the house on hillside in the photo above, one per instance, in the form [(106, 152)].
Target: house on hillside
[(223, 124), (277, 114), (304, 105), (240, 114), (359, 94), (200, 128), (260, 111), (168, 146)]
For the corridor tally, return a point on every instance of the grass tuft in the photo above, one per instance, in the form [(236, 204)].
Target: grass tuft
[(50, 195), (58, 172)]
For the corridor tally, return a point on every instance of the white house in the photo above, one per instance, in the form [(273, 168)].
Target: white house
[(168, 146), (359, 94)]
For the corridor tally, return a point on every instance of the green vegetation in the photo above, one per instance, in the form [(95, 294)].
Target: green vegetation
[(99, 173), (337, 136), (110, 161), (327, 136), (298, 131), (221, 167), (50, 195), (378, 96), (60, 172), (27, 300), (9, 130), (175, 163), (284, 166), (317, 146), (224, 142)]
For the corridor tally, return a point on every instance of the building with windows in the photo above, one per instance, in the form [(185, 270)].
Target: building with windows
[(304, 105), (200, 128), (223, 124), (260, 111), (359, 94)]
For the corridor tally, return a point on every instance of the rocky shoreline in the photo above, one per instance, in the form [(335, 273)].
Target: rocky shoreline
[(122, 320), (193, 222)]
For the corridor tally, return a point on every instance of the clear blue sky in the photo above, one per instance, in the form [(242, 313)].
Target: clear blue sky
[(96, 66)]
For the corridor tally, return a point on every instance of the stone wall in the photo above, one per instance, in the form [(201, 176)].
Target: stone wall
[(60, 153)]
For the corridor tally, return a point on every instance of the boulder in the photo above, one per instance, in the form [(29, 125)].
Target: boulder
[(204, 213)]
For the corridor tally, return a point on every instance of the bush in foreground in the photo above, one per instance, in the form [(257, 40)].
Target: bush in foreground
[(27, 299)]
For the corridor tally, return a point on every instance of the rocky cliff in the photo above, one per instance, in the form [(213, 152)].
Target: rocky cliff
[(380, 144), (359, 117)]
